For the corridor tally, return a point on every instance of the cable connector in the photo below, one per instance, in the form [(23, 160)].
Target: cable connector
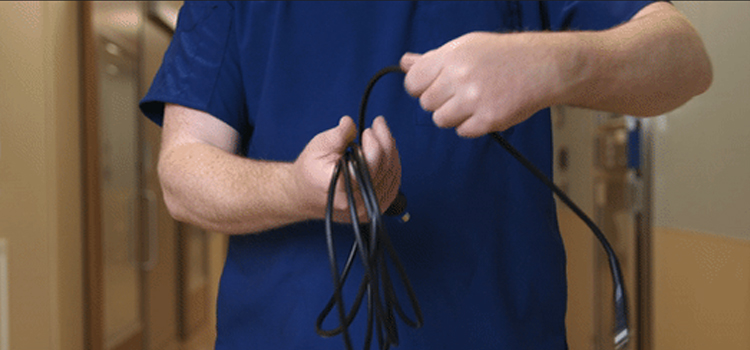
[(621, 331), (398, 208)]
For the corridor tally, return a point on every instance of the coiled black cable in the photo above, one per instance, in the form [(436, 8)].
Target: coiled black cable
[(372, 243)]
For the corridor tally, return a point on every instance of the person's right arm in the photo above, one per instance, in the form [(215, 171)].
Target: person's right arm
[(206, 184)]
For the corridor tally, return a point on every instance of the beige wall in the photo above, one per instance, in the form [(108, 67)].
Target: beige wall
[(701, 291), (702, 214), (40, 191), (702, 149)]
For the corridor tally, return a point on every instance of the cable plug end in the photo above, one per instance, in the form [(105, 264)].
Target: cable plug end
[(621, 339), (405, 218), (621, 331), (398, 208)]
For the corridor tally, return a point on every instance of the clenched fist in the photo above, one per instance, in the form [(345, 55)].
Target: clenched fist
[(485, 82)]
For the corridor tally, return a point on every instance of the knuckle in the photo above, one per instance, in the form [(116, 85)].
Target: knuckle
[(426, 102), (363, 218), (471, 94), (415, 81), (500, 126), (463, 131), (470, 131), (470, 36), (460, 72), (409, 83), (440, 119), (341, 205), (485, 122)]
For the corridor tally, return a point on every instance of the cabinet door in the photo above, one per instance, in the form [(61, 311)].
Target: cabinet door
[(160, 268), (147, 275), (113, 190)]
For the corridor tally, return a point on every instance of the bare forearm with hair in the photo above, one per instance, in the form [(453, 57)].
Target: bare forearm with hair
[(645, 67), (222, 192)]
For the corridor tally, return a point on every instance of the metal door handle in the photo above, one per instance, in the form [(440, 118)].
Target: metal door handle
[(132, 231), (152, 231)]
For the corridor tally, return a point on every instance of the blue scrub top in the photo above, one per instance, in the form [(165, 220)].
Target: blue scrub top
[(482, 248)]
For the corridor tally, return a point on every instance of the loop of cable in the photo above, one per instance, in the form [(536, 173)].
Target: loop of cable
[(372, 243)]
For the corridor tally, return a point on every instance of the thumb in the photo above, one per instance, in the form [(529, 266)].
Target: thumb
[(335, 140), (408, 60)]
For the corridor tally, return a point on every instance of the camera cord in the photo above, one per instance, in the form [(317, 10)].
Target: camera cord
[(373, 245)]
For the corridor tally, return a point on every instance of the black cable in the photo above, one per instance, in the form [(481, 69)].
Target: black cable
[(372, 244), (621, 304), (372, 251)]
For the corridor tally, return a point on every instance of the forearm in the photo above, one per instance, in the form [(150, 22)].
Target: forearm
[(645, 67), (206, 184), (219, 191)]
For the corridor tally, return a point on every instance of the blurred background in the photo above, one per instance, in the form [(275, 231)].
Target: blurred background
[(90, 259)]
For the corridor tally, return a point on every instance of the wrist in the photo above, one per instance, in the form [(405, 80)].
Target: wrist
[(306, 190), (563, 65), (298, 194), (585, 64)]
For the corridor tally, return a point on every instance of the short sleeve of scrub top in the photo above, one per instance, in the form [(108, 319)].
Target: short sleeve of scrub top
[(200, 69)]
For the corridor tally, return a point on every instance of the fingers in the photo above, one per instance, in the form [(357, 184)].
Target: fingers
[(374, 144), (316, 163), (422, 71), (408, 60), (383, 161), (438, 93), (343, 134), (435, 84), (377, 140), (475, 126), (335, 140), (465, 86), (452, 113), (391, 161), (313, 167)]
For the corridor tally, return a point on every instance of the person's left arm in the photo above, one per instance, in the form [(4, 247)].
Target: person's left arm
[(483, 82)]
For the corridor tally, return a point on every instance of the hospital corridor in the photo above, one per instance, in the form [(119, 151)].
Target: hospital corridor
[(91, 259)]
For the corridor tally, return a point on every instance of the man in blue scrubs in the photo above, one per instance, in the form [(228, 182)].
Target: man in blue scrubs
[(251, 96)]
